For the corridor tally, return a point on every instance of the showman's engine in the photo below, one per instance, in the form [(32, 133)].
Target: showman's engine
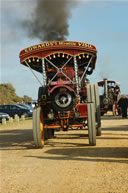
[(66, 100)]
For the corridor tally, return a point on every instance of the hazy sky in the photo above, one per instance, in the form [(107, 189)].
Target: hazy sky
[(101, 23)]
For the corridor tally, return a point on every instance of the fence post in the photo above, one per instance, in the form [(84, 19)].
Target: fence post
[(16, 118), (3, 121), (22, 117), (10, 120)]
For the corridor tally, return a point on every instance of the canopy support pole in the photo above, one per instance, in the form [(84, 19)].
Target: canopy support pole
[(76, 75), (86, 69), (44, 72), (33, 73)]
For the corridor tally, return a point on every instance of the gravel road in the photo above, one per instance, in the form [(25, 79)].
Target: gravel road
[(67, 164)]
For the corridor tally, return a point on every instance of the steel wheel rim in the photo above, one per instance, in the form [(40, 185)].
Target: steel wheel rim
[(41, 127)]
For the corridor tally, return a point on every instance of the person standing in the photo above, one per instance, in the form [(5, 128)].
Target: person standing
[(123, 104)]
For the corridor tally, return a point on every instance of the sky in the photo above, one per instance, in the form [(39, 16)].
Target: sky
[(101, 23)]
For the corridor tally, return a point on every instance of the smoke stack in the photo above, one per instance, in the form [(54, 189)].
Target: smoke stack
[(106, 87), (49, 21)]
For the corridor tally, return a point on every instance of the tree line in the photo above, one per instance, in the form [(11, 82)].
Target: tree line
[(8, 95)]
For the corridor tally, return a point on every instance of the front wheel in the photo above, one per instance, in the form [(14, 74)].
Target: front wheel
[(114, 109), (98, 131), (38, 127)]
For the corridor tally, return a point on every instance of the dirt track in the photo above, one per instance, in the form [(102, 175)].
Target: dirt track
[(67, 164)]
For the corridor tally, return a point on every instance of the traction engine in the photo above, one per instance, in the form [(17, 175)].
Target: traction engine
[(110, 96), (65, 98)]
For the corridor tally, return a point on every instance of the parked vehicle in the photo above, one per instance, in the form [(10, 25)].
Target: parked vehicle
[(4, 116), (13, 109), (32, 104), (25, 106)]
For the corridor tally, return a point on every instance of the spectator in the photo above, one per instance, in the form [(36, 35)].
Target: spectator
[(123, 104)]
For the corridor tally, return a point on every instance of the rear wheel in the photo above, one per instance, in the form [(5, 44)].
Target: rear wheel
[(38, 127), (93, 96), (91, 124), (98, 114)]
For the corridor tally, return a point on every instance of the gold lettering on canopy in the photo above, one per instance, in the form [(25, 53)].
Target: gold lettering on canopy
[(58, 43), (85, 45)]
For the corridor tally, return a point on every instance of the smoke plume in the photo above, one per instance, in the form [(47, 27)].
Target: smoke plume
[(49, 20)]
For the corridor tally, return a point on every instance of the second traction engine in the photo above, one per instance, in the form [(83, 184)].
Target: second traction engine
[(110, 95)]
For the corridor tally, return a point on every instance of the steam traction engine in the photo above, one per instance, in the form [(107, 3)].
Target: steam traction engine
[(65, 98), (109, 98)]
